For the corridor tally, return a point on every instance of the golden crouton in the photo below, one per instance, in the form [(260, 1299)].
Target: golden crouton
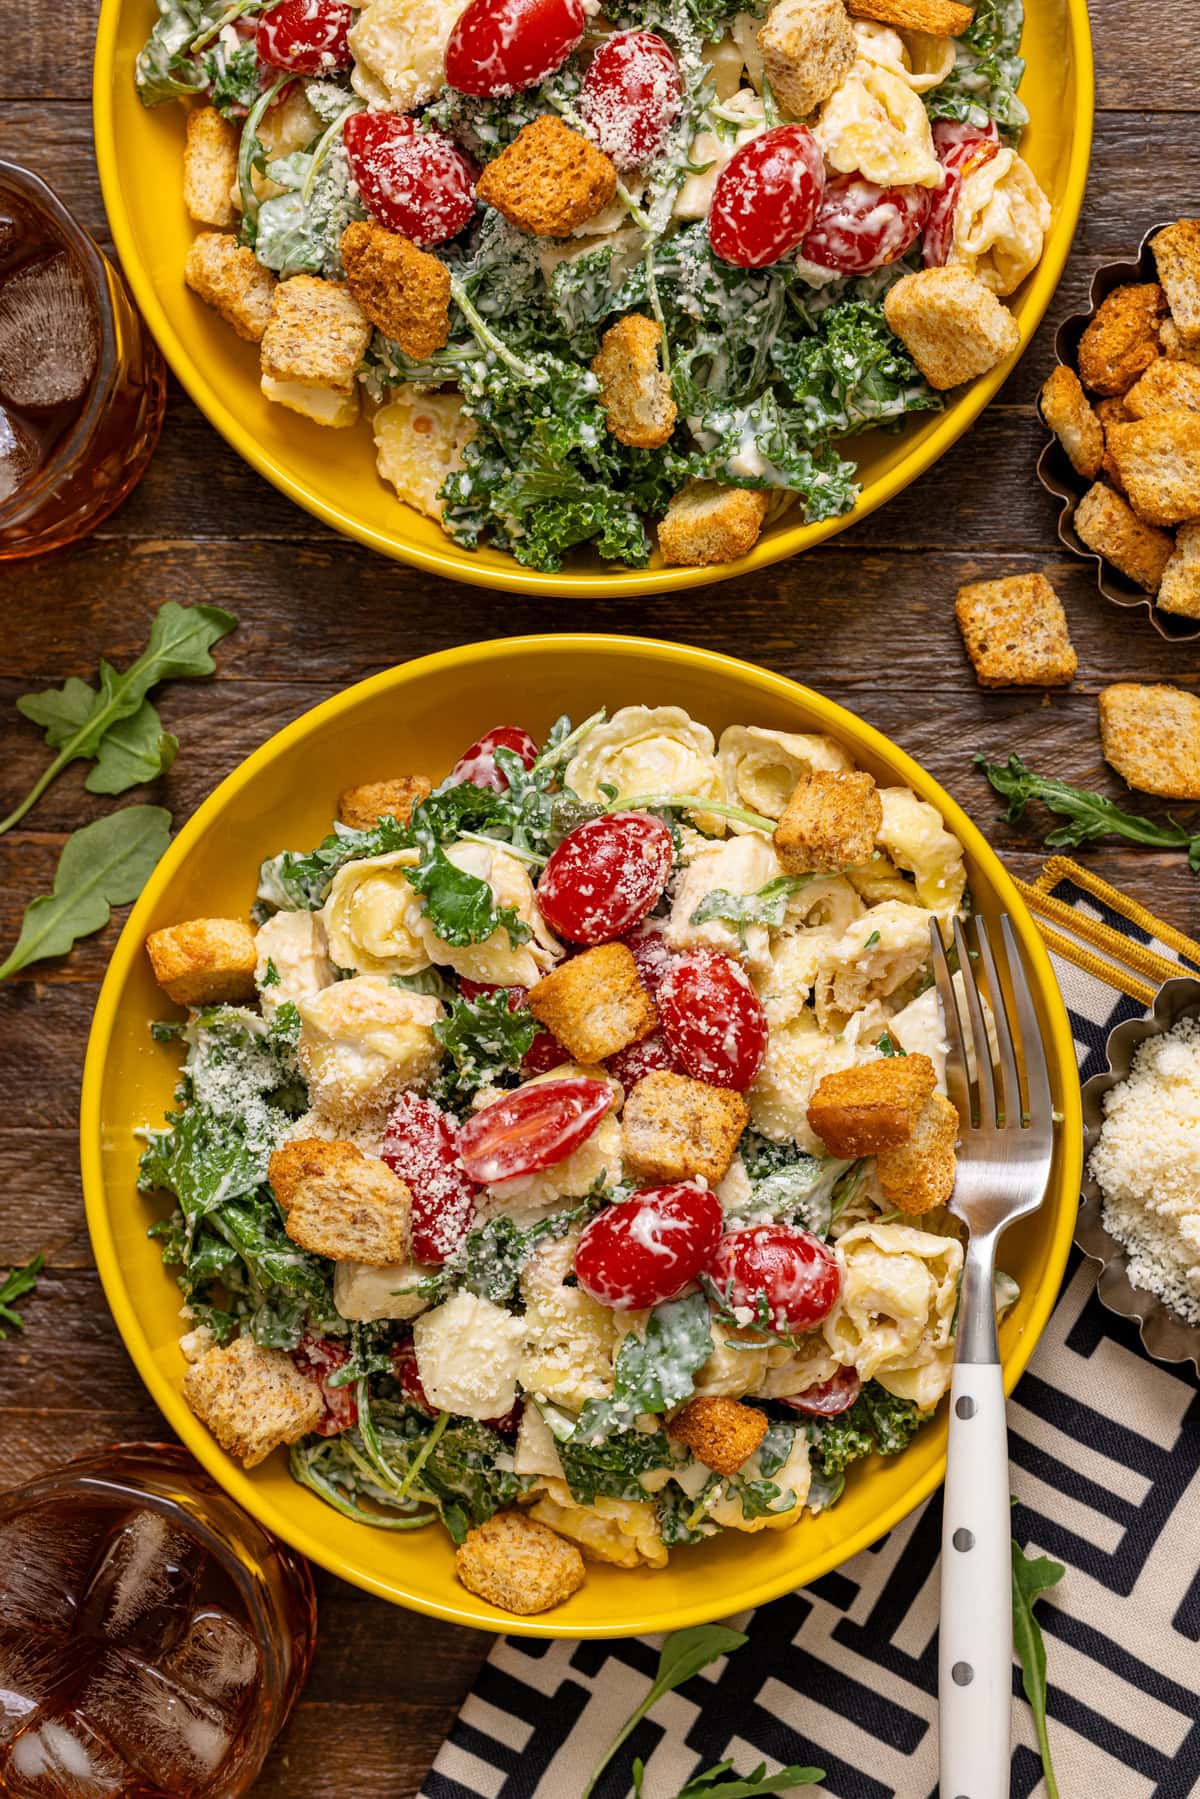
[(952, 326), (1066, 410), (516, 1563), (1180, 590), (722, 1433), (1016, 632), (204, 961), (252, 1399), (210, 159), (634, 391), (362, 807), (1173, 346), (594, 1003), (1165, 387), (706, 522), (549, 180), (1113, 530), (341, 1203), (1121, 341), (231, 280), (317, 335), (1158, 459), (808, 48), (859, 1111), (1111, 412), (402, 290), (919, 1175), (677, 1129), (1151, 736), (829, 823), (1177, 256), (937, 18)]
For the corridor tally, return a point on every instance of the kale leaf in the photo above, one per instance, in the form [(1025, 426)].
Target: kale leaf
[(793, 1185), (298, 881), (987, 71), (460, 1475), (611, 1467), (852, 373), (876, 1421), (484, 1040)]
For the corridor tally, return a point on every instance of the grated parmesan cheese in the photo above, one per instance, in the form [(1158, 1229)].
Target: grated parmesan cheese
[(1147, 1165)]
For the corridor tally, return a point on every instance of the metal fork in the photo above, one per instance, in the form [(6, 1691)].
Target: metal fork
[(1006, 1144)]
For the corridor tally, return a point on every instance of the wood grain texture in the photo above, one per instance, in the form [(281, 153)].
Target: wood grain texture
[(868, 619)]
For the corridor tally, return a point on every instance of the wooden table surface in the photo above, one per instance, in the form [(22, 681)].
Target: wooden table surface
[(868, 619)]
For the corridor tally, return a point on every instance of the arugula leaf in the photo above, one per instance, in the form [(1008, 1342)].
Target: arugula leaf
[(793, 1185), (767, 906), (164, 69), (987, 71), (484, 1040), (1090, 815), (654, 1372), (720, 1782), (461, 1475), (876, 1421), (300, 230), (1031, 1576), (16, 1283), (115, 724), (105, 864), (683, 1654)]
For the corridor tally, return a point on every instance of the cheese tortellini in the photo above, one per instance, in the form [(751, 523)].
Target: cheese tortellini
[(497, 960), (877, 954), (795, 1477), (570, 1339), (399, 51), (362, 1042), (644, 750), (921, 61), (746, 116), (1000, 222), (876, 124), (740, 866), (293, 960), (896, 1308), (761, 768), (419, 439), (624, 1532), (373, 917), (915, 838), (798, 1055)]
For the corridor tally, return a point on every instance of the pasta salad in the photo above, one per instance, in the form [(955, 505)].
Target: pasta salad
[(625, 280), (563, 1151)]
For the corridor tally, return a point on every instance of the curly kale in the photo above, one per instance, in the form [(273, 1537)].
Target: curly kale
[(852, 373), (987, 71), (877, 1421)]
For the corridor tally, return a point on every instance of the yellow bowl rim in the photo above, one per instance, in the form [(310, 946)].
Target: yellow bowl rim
[(459, 564), (832, 718)]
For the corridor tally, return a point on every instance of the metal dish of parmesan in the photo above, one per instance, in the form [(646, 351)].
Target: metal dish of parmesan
[(1140, 1215)]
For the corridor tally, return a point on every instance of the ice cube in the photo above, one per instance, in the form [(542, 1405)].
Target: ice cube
[(144, 1587), (216, 1659), (44, 1566), (175, 1738), (33, 1669), (18, 456), (49, 337), (64, 1758)]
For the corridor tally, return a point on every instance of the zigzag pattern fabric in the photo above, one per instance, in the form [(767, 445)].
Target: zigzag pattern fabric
[(1105, 1448)]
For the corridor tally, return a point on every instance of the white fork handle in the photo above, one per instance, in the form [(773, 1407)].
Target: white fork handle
[(975, 1642)]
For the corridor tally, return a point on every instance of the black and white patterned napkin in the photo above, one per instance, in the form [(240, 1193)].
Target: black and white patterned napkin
[(1105, 1448)]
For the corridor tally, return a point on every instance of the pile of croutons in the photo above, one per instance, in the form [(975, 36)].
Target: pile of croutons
[(1130, 423)]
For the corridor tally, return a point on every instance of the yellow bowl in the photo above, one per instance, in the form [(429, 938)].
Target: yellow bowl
[(332, 473), (419, 717)]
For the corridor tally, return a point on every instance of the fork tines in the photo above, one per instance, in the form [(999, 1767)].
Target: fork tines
[(983, 1072)]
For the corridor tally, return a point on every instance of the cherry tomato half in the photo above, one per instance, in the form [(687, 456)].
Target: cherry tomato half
[(420, 1147), (712, 1018), (605, 876), (632, 1064), (415, 182), (766, 197), (318, 1358), (961, 148), (533, 1128), (502, 46), (306, 36), (828, 1397), (631, 96), (478, 764), (647, 1248), (648, 947), (407, 1374), (795, 1273), (860, 227)]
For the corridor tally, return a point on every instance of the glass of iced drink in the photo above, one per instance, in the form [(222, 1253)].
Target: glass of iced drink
[(82, 384), (152, 1636)]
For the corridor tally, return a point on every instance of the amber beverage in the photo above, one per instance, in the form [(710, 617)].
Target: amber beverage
[(153, 1637), (82, 384)]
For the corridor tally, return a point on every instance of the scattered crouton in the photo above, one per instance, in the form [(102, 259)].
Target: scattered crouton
[(953, 327), (594, 1003), (210, 159), (1121, 341), (549, 180), (317, 335), (252, 1399), (808, 49), (634, 391), (1173, 346), (1151, 736), (677, 1129), (516, 1563), (1158, 459), (1107, 525), (341, 1203), (1165, 387), (720, 1432), (875, 1105), (1177, 256), (231, 280), (401, 289), (1180, 590), (706, 522), (1066, 410), (829, 823), (361, 808), (937, 18), (1016, 632), (1111, 412), (204, 961), (919, 1175)]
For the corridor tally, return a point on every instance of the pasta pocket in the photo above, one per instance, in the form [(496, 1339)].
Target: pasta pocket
[(761, 769), (570, 1339), (399, 51), (419, 439), (874, 123), (743, 118), (898, 1298), (794, 1479), (362, 1042), (293, 960), (1000, 222), (741, 866), (798, 1054), (497, 960), (621, 1531), (373, 917), (646, 750), (915, 838), (922, 62), (877, 954)]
